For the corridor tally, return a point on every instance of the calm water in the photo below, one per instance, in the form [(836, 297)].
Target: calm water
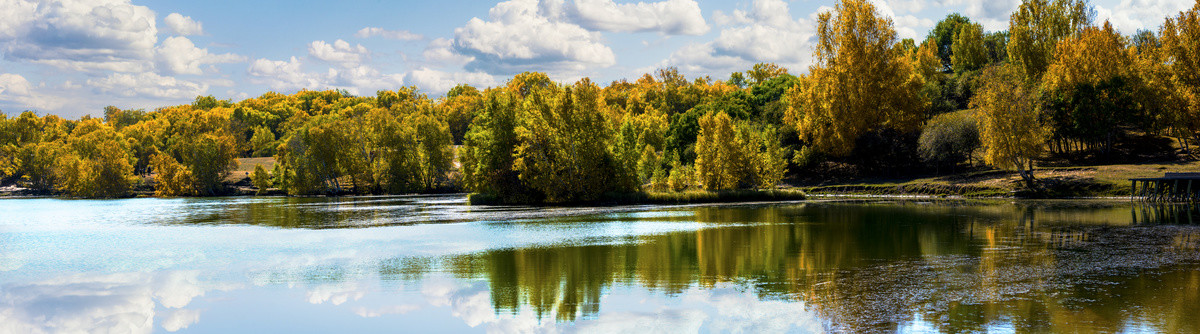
[(434, 264)]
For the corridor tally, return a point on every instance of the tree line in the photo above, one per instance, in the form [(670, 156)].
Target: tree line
[(1055, 82)]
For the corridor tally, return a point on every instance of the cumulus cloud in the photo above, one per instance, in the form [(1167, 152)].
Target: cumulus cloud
[(993, 15), (183, 25), (1129, 16), (120, 303), (400, 35), (435, 81), (765, 33), (180, 56), (110, 35), (519, 38), (289, 75), (906, 25), (441, 50), (340, 52), (15, 89), (147, 85), (671, 17), (180, 319)]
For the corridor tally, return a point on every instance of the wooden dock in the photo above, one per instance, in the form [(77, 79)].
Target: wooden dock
[(1172, 187)]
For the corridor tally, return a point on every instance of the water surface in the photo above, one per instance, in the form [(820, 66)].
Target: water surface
[(435, 264)]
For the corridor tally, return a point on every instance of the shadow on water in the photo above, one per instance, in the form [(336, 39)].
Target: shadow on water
[(1165, 213)]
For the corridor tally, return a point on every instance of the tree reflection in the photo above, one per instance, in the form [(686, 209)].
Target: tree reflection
[(864, 267)]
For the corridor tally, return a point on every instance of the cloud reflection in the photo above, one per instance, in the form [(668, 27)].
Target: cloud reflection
[(117, 303)]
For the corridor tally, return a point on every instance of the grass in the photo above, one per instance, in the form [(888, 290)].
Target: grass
[(1053, 182)]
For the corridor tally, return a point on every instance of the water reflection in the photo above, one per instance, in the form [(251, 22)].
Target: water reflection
[(821, 266)]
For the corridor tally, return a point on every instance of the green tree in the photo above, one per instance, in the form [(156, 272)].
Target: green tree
[(262, 180), (969, 52), (943, 36), (996, 44), (263, 142)]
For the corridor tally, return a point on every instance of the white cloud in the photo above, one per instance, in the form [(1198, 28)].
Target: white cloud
[(110, 35), (670, 17), (183, 25), (180, 56), (340, 52), (518, 38), (289, 75), (14, 85), (119, 303), (401, 35), (15, 18), (387, 310), (906, 26), (180, 319), (1131, 15), (766, 33), (14, 88), (441, 51), (438, 82), (994, 14), (148, 85)]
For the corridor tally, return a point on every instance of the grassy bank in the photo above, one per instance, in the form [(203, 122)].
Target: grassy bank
[(1055, 182), (684, 197)]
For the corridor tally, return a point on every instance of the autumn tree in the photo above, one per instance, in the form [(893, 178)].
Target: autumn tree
[(200, 141), (1092, 87), (563, 144), (720, 161), (969, 52), (1009, 126), (734, 154), (1181, 49), (94, 163), (458, 108), (1037, 26), (859, 83)]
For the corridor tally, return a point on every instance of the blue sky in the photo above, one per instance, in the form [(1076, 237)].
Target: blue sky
[(73, 57)]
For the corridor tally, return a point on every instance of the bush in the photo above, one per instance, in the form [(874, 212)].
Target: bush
[(949, 139)]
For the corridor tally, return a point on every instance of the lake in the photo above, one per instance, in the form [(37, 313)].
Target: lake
[(436, 264)]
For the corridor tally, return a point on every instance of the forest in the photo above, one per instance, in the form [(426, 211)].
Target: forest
[(1056, 84)]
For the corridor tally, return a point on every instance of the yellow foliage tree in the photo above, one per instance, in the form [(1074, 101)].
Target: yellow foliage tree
[(95, 163), (1096, 54), (1037, 26), (1181, 50), (860, 83), (170, 177), (1009, 127)]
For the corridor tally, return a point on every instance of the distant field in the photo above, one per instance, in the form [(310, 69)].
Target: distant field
[(246, 166)]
